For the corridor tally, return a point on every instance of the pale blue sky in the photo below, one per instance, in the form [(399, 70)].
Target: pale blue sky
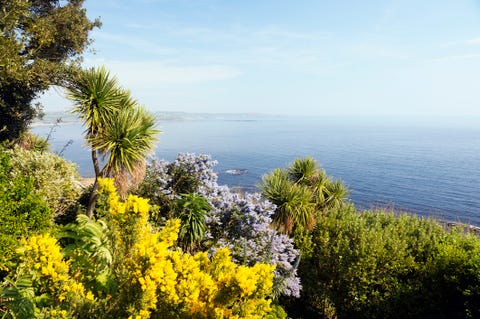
[(337, 57)]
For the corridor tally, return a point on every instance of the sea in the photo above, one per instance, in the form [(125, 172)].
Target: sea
[(423, 166)]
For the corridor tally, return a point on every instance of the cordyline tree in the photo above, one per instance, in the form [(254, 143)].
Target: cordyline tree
[(40, 45), (300, 192), (118, 130)]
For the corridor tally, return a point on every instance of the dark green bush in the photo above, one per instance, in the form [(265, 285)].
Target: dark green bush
[(452, 278), (379, 265)]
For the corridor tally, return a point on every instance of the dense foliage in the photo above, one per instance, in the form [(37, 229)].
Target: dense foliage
[(239, 222), (197, 249), (23, 211), (300, 192), (377, 265), (203, 251), (54, 179), (39, 44), (128, 270)]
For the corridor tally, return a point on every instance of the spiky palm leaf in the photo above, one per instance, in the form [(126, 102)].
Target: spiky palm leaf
[(34, 142), (96, 96), (191, 210), (275, 184), (302, 170), (336, 194), (293, 201), (128, 139), (296, 207), (319, 186)]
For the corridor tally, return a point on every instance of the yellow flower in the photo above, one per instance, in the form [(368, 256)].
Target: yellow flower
[(106, 185), (246, 279), (89, 296), (138, 205), (169, 232)]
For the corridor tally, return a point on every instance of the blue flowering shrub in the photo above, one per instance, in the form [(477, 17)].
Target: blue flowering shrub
[(240, 222)]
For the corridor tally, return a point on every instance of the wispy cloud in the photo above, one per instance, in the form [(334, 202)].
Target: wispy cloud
[(241, 35), (276, 33), (135, 25), (195, 32), (460, 43), (456, 57), (473, 41), (239, 45), (371, 49), (125, 41), (150, 74)]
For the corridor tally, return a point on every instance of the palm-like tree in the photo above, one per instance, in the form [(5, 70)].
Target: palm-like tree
[(96, 96), (191, 211), (128, 137), (319, 187), (34, 142), (293, 201), (336, 194), (301, 191), (117, 129), (303, 170)]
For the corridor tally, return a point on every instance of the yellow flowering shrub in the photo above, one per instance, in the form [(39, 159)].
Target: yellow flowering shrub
[(146, 276), (41, 286), (164, 282)]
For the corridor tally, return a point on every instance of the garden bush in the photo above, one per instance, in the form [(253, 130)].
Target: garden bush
[(377, 264), (240, 222), (54, 179), (23, 212), (118, 267)]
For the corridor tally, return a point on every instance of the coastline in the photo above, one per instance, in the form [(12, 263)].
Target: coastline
[(422, 171)]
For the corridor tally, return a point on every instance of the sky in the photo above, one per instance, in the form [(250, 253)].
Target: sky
[(295, 57)]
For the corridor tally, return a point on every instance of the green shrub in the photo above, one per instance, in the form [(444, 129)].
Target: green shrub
[(22, 212), (452, 278), (277, 313), (54, 178), (369, 265)]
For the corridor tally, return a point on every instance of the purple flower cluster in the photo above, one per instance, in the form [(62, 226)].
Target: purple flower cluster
[(187, 174), (240, 222)]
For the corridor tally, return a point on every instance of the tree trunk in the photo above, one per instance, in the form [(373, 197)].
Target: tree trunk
[(96, 166), (93, 195), (93, 199)]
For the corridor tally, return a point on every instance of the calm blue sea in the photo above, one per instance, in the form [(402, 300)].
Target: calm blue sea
[(428, 169)]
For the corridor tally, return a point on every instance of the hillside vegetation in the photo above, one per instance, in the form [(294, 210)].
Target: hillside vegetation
[(163, 240), (185, 247)]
